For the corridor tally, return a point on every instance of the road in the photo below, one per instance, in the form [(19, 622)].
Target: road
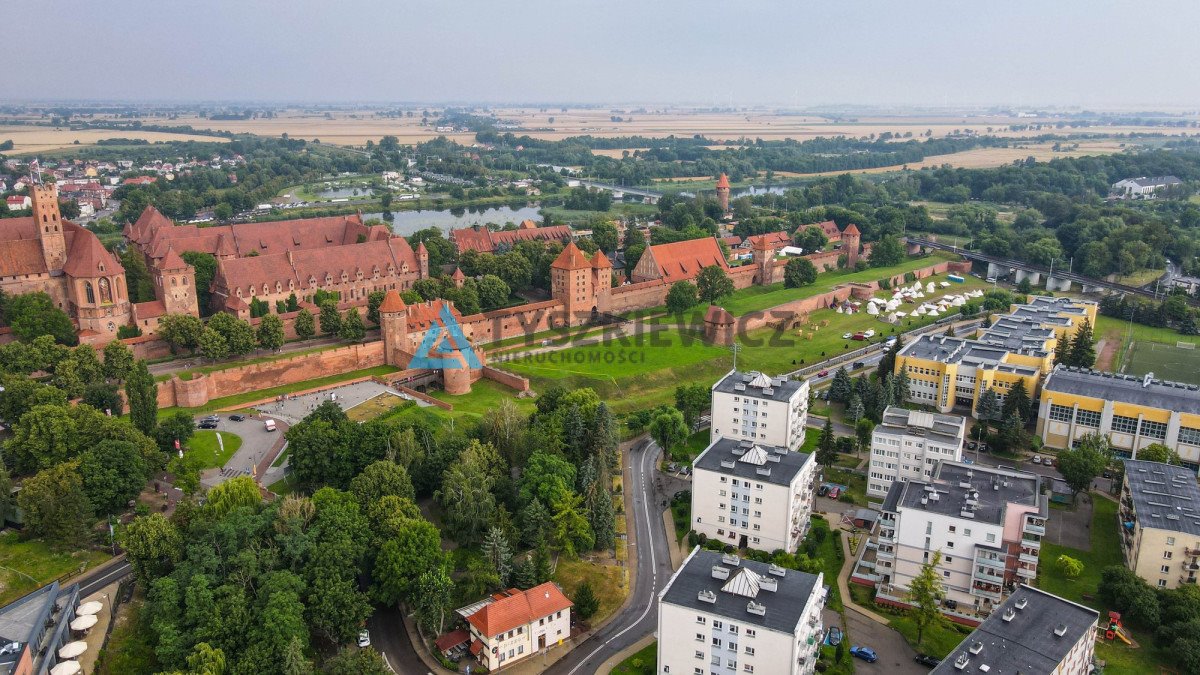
[(92, 582), (640, 615), (389, 637)]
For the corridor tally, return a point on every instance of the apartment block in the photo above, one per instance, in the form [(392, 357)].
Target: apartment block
[(908, 444), (1160, 523), (720, 614), (752, 495), (1032, 632), (1132, 412), (755, 407), (987, 523)]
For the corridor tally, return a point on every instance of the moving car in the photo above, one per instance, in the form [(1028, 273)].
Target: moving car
[(210, 418), (865, 653), (927, 660), (835, 636), (823, 373), (269, 424), (858, 365), (364, 638), (207, 424)]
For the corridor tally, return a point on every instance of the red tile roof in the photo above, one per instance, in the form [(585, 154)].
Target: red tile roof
[(770, 239), (451, 640), (519, 608), (600, 261), (827, 227), (571, 258), (851, 229), (458, 274), (392, 302), (171, 261), (87, 257), (718, 315), (148, 310), (480, 238), (723, 181), (682, 260)]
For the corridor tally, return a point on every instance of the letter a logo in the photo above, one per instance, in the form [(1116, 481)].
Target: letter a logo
[(453, 340)]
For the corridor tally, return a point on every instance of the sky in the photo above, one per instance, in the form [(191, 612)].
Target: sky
[(1096, 54)]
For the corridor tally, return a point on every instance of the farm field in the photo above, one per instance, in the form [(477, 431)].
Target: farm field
[(32, 140)]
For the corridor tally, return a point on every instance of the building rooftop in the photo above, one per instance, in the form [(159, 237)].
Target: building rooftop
[(747, 459), (935, 426), (958, 489), (976, 353), (1032, 632), (751, 593), (35, 617), (1145, 391), (758, 385), (1164, 497)]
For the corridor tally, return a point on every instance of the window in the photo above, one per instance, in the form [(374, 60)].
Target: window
[(953, 529), (1124, 425), (1060, 413), (1170, 541), (1087, 418), (733, 629), (946, 574), (1154, 429), (1167, 555), (991, 537), (701, 619), (699, 654), (698, 671), (748, 668), (949, 560), (1165, 569), (1189, 435), (949, 544), (716, 642), (717, 625), (749, 651), (1162, 583), (967, 531), (699, 637)]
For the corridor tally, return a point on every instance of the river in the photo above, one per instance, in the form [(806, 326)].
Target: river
[(407, 222)]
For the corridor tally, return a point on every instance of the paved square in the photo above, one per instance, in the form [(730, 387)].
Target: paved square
[(293, 409)]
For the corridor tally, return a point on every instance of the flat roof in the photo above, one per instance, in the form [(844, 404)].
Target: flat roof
[(754, 461), (1039, 632), (1165, 497), (937, 426), (740, 585), (758, 385), (989, 493), (1144, 391)]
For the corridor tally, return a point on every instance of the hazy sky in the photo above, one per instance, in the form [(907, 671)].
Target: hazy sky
[(1096, 53)]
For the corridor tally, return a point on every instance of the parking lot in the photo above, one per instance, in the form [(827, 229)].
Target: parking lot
[(292, 409), (256, 442)]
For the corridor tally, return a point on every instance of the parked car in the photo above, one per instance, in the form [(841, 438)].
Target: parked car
[(847, 336), (207, 424), (10, 648), (950, 604), (865, 653), (834, 492), (237, 417), (364, 638), (1037, 459), (211, 418), (269, 424), (823, 373), (823, 490), (1047, 461), (1107, 474), (869, 333), (972, 445), (927, 660), (835, 636)]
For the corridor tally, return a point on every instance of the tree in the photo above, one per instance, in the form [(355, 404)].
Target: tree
[(238, 334), (305, 325), (232, 494), (901, 387), (692, 400), (605, 235), (153, 545), (180, 330), (351, 327), (113, 473), (1157, 452), (270, 332), (33, 314), (826, 450), (799, 272), (586, 602), (330, 320), (887, 363), (572, 532), (103, 396), (498, 554), (381, 479), (989, 408), (350, 661), (841, 389), (886, 252), (1069, 567), (681, 297), (863, 430), (1016, 402), (492, 291), (1083, 348), (466, 492), (206, 660), (178, 426), (925, 593), (142, 394), (374, 300), (712, 284), (668, 428), (212, 345), (415, 548), (434, 595), (1080, 465), (855, 409), (56, 506), (547, 478), (535, 523), (118, 361)]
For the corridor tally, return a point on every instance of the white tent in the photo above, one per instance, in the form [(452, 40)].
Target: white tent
[(891, 306), (872, 310), (921, 310), (944, 284), (891, 318), (84, 622), (933, 312), (72, 649), (929, 287), (958, 302), (92, 607), (839, 310), (65, 668), (901, 314)]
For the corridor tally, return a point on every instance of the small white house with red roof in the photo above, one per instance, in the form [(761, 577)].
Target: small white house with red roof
[(514, 624)]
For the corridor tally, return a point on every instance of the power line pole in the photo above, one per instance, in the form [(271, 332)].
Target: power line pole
[(735, 348)]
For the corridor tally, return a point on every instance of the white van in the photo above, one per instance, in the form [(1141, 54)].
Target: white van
[(270, 424)]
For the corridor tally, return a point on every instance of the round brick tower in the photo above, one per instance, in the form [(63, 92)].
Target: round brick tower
[(723, 193)]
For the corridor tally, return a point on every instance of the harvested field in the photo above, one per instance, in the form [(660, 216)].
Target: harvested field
[(32, 140)]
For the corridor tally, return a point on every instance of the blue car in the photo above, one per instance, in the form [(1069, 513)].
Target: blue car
[(865, 653)]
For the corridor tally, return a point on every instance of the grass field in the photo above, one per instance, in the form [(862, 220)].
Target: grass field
[(283, 486), (485, 395), (829, 552), (641, 662), (374, 407), (1124, 334), (130, 648), (608, 583), (27, 565), (1166, 361), (205, 446), (232, 402)]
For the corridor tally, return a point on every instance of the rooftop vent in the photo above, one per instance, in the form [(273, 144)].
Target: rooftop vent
[(755, 608), (961, 661), (1060, 630), (763, 471), (707, 596), (768, 391), (746, 444), (728, 464), (976, 647), (924, 501), (719, 572), (768, 584), (731, 559), (1022, 602), (1009, 614), (966, 512), (776, 570)]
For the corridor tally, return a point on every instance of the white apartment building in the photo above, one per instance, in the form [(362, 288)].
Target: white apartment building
[(752, 406), (908, 444), (988, 524), (1160, 510), (514, 624), (720, 615), (752, 495), (1032, 632)]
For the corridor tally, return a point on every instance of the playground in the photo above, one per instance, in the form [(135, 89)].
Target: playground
[(1179, 362)]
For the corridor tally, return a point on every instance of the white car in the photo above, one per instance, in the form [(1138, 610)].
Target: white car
[(869, 333), (10, 648), (364, 638), (847, 336), (1037, 459)]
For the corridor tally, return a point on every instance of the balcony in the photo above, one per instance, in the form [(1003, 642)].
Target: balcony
[(1039, 530), (1027, 572), (1028, 557), (1187, 580), (990, 591), (996, 563), (987, 574), (1034, 544)]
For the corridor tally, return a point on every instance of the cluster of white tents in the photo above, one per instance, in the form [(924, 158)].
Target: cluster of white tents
[(85, 619), (889, 308)]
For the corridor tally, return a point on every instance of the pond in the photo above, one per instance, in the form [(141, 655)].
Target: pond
[(407, 222)]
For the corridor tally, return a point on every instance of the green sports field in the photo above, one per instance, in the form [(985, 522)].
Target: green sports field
[(1166, 360)]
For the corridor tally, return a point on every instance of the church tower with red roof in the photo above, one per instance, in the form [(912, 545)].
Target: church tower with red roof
[(723, 193), (851, 242), (48, 219)]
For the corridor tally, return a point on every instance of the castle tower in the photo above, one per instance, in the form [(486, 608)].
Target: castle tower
[(718, 326), (764, 256), (602, 281), (458, 277), (723, 192), (49, 224), (393, 327), (423, 261), (571, 284), (175, 285), (851, 242)]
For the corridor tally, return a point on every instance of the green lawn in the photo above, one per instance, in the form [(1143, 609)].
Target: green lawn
[(856, 483), (265, 358), (204, 446), (758, 298), (608, 583), (829, 551), (937, 640), (691, 448), (283, 486), (130, 648), (485, 395), (642, 662), (20, 560), (231, 402), (1124, 332)]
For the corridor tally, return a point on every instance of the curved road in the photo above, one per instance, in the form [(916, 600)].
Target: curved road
[(640, 615)]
